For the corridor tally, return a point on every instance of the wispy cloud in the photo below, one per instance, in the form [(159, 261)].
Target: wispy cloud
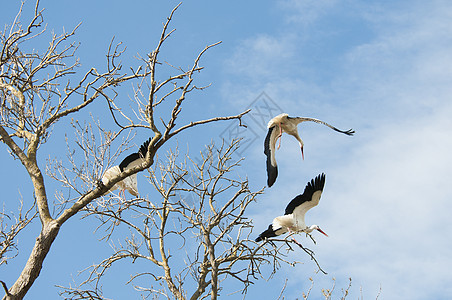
[(306, 12), (387, 197)]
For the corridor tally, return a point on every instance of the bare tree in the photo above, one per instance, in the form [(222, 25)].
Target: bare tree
[(40, 88), (199, 218), (198, 213), (9, 232)]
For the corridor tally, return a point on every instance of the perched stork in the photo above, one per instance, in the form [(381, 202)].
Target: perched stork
[(276, 127), (293, 219), (132, 160)]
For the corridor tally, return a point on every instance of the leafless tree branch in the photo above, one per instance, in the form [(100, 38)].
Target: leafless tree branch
[(40, 88), (201, 208), (9, 233)]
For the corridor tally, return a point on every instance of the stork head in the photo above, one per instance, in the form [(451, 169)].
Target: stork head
[(315, 227), (300, 141)]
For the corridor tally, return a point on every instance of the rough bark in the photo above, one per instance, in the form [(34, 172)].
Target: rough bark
[(34, 263)]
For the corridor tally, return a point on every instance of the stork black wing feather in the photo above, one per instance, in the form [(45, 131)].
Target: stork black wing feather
[(314, 185), (266, 234), (135, 156), (144, 148), (128, 160), (272, 170)]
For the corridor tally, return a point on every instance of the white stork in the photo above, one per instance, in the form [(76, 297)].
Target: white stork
[(276, 127), (293, 219), (132, 160)]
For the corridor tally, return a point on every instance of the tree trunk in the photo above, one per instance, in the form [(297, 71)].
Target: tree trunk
[(34, 264)]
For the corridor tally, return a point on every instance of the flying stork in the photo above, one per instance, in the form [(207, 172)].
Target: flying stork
[(129, 183), (276, 127), (293, 219)]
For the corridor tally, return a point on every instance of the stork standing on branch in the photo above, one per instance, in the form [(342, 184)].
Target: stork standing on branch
[(128, 183), (276, 127)]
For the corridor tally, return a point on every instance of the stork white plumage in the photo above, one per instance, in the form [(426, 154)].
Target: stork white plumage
[(276, 127), (293, 219), (129, 183)]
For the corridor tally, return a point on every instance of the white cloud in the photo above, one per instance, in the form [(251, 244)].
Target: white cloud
[(261, 56), (387, 197), (306, 11), (390, 209)]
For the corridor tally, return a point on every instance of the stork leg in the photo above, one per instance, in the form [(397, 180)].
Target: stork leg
[(295, 241), (123, 194)]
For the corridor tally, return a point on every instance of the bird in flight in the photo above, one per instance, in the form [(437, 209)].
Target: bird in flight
[(276, 127), (293, 219), (129, 183)]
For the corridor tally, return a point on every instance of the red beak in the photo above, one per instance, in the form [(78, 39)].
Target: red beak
[(322, 231)]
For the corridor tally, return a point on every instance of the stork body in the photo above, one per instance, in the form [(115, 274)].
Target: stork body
[(129, 183), (293, 218), (276, 127)]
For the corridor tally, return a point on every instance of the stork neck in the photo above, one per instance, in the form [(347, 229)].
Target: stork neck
[(309, 229)]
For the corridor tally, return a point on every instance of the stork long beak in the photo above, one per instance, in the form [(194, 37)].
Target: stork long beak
[(322, 231), (302, 153)]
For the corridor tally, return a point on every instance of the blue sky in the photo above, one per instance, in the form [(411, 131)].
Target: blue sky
[(382, 68)]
